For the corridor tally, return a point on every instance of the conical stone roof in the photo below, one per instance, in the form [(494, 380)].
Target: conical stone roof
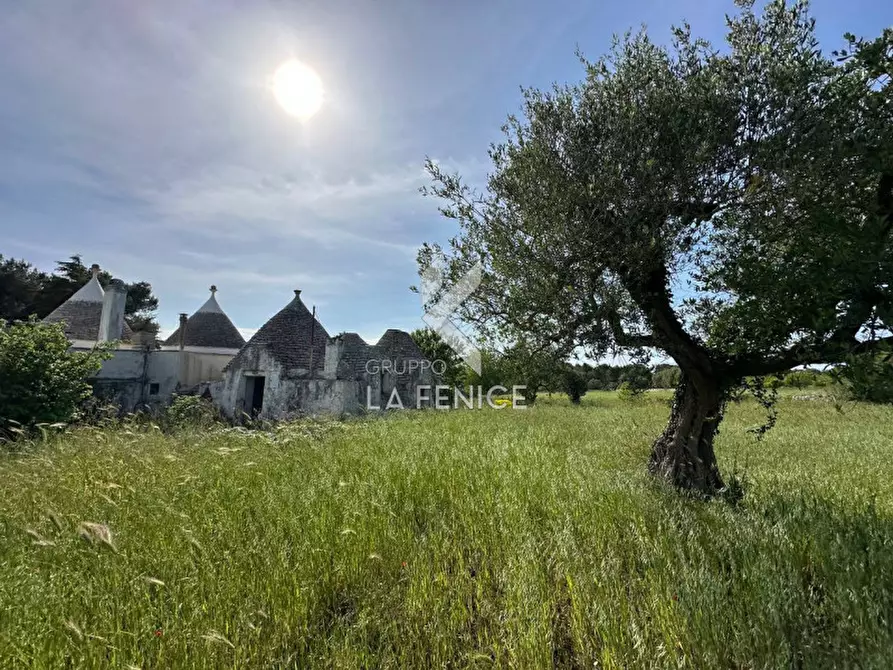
[(287, 337), (399, 343), (82, 312), (353, 340), (209, 327)]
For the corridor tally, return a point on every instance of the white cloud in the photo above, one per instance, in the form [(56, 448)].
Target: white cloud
[(243, 203)]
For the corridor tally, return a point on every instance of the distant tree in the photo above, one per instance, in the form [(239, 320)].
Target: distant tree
[(20, 286), (665, 377), (494, 372), (573, 384), (533, 368), (637, 375), (43, 381), (595, 384), (763, 172), (435, 349), (604, 377), (584, 369), (628, 391)]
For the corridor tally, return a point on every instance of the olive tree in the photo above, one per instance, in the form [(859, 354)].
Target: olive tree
[(438, 351), (730, 207)]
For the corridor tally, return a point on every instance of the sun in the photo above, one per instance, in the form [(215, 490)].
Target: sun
[(298, 89)]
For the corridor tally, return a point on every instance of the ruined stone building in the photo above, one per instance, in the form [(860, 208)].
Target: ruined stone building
[(290, 366)]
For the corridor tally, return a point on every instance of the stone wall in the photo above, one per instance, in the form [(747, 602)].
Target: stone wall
[(135, 376), (121, 378)]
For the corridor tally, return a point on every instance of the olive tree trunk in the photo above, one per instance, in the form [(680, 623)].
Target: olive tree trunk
[(683, 455)]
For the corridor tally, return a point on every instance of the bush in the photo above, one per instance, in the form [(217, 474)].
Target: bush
[(191, 411), (628, 391), (801, 379), (773, 382), (43, 381), (98, 411), (823, 379)]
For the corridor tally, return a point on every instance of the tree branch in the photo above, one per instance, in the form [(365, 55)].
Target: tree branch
[(831, 351), (624, 339), (690, 212), (653, 297)]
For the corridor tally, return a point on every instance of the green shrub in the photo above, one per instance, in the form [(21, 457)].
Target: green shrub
[(99, 411), (628, 391), (773, 382), (822, 379), (43, 381), (636, 375), (191, 411), (799, 379)]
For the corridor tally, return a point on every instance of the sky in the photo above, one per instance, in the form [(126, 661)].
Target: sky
[(145, 137)]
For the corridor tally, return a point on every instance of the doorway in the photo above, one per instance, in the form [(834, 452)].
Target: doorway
[(254, 394)]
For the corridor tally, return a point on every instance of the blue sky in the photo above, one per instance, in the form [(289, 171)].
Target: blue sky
[(144, 135)]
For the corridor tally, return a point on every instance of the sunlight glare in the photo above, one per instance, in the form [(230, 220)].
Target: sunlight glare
[(298, 89)]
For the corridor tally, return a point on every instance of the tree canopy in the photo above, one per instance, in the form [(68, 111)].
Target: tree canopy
[(448, 364), (730, 207)]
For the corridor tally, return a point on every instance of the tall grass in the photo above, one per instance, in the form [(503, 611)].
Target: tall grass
[(459, 539)]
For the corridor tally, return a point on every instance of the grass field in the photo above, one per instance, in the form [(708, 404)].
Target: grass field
[(460, 539)]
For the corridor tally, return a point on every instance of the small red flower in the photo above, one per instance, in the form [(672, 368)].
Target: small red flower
[(403, 564), (158, 632)]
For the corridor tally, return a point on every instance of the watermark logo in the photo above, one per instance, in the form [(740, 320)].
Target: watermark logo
[(438, 315), (446, 397), (375, 366)]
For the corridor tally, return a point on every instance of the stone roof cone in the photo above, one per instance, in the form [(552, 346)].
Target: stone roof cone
[(287, 337), (82, 312), (209, 327), (399, 342), (353, 340)]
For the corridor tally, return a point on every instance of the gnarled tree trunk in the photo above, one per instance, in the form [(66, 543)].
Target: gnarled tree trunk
[(683, 454)]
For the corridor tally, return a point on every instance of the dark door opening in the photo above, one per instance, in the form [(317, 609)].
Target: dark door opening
[(257, 395), (254, 394)]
